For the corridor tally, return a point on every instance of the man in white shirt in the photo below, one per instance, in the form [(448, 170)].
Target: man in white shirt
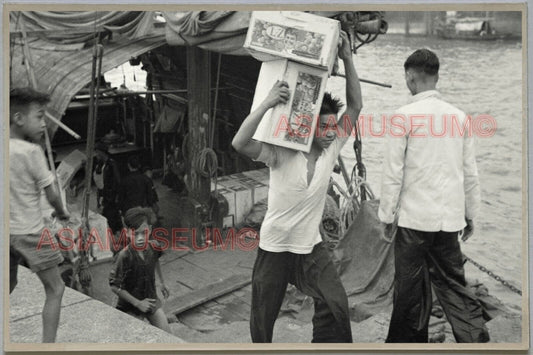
[(290, 246), (430, 184)]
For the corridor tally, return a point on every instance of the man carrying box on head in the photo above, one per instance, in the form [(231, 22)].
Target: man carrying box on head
[(290, 247)]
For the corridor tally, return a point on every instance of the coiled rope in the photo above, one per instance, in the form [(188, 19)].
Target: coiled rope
[(206, 163)]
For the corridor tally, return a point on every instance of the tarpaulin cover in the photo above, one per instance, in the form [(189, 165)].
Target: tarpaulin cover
[(60, 42), (62, 73), (218, 31), (366, 263), (171, 114), (131, 24), (61, 50)]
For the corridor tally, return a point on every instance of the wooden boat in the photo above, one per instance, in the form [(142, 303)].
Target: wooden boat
[(200, 86), (469, 28)]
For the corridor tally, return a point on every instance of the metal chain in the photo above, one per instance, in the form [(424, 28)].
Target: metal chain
[(494, 276)]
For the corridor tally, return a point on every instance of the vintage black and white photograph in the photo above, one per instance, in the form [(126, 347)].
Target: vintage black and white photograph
[(180, 176)]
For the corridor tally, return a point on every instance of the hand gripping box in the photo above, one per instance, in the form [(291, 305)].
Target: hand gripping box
[(291, 125), (295, 35)]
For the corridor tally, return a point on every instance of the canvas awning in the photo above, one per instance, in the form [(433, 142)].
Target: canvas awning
[(61, 47), (217, 31), (63, 73), (61, 50)]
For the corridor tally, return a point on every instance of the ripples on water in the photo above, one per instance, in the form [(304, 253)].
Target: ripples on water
[(479, 78)]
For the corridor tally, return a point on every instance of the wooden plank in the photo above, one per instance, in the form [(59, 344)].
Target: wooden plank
[(222, 263), (195, 298), (180, 277)]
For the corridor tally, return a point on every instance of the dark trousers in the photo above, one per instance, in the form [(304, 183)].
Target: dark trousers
[(315, 275), (13, 269), (423, 259)]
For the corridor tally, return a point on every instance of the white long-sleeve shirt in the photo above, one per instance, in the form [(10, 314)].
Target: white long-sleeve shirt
[(429, 168)]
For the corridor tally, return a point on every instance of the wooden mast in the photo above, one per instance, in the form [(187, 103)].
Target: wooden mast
[(199, 109)]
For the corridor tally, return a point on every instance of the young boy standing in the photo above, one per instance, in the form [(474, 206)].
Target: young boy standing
[(132, 276), (28, 176)]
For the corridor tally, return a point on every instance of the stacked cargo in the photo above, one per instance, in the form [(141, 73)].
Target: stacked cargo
[(242, 191), (298, 48)]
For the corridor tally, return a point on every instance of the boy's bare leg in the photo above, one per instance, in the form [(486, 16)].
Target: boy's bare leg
[(54, 288), (159, 319)]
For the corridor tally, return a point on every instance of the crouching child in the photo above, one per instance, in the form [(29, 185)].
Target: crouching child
[(132, 276)]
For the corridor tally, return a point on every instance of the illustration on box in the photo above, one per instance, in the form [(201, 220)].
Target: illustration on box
[(279, 38), (303, 108)]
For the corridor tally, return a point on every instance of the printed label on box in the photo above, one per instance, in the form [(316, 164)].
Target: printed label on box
[(295, 35), (289, 40), (291, 125)]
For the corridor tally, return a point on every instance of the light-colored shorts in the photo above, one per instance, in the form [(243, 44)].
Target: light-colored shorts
[(38, 257)]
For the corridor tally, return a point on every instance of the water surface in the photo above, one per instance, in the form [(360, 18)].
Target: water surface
[(479, 78)]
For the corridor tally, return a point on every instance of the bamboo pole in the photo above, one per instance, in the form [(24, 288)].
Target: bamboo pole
[(91, 127), (366, 81), (82, 267), (213, 123), (62, 125), (33, 83)]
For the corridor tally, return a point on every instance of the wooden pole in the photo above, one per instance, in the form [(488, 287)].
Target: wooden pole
[(198, 86), (150, 105), (366, 81), (33, 83), (62, 125), (91, 127), (213, 122)]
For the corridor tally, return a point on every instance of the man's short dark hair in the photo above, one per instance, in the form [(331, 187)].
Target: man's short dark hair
[(330, 104), (102, 147), (21, 98), (134, 162), (423, 60)]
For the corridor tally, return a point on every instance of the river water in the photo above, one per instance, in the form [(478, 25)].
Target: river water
[(479, 78)]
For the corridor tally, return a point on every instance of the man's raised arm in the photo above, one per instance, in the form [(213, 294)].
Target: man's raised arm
[(243, 142), (354, 100)]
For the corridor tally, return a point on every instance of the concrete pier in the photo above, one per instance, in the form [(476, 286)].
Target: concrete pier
[(83, 319)]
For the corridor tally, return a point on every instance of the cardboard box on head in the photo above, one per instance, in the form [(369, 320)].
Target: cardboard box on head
[(291, 125), (295, 35)]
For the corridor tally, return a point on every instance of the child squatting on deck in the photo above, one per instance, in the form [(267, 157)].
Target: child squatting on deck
[(28, 176), (132, 276)]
